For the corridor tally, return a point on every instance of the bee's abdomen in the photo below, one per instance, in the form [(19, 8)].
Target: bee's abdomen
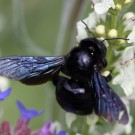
[(73, 96)]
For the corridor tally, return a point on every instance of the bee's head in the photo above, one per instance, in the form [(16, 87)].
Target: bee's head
[(79, 60), (97, 49), (82, 58), (95, 46)]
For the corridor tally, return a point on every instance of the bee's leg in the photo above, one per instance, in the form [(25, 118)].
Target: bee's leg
[(107, 76), (68, 84)]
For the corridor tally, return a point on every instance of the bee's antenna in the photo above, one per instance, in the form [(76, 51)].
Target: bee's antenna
[(114, 39), (105, 38), (87, 28)]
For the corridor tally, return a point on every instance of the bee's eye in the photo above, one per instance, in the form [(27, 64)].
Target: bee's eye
[(92, 50)]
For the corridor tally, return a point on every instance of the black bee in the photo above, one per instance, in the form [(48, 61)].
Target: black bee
[(81, 89)]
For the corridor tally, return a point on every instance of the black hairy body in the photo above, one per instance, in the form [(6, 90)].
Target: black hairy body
[(83, 91)]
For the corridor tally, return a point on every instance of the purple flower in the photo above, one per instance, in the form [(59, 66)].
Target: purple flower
[(4, 128), (62, 132), (47, 130), (28, 114), (4, 94), (22, 128)]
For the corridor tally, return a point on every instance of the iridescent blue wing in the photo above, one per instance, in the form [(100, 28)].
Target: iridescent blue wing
[(30, 70), (106, 102)]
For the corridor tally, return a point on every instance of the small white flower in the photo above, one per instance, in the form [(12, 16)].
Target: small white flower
[(55, 125), (105, 41), (131, 36), (128, 15), (91, 119), (128, 127), (128, 21), (130, 25), (90, 21), (126, 69), (103, 6), (120, 129), (82, 34), (4, 83), (70, 117)]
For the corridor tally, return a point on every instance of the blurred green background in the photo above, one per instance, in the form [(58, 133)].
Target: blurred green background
[(37, 28), (29, 27)]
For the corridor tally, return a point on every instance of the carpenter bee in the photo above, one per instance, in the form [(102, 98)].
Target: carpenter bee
[(82, 89)]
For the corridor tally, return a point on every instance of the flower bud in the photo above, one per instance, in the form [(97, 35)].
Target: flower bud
[(118, 6), (100, 29), (127, 1), (113, 33)]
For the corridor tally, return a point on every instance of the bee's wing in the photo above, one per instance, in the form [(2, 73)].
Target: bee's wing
[(106, 102), (30, 70)]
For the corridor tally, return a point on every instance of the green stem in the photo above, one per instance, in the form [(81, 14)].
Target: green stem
[(114, 21)]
